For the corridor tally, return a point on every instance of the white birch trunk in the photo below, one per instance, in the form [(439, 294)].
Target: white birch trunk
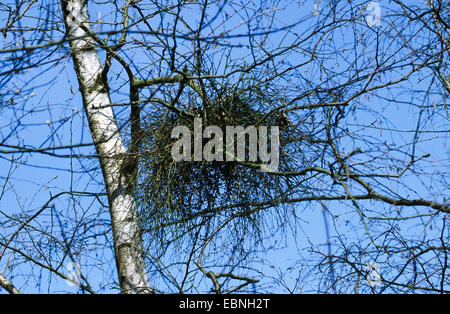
[(110, 147)]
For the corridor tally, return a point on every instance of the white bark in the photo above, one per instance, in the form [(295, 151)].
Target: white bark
[(110, 146)]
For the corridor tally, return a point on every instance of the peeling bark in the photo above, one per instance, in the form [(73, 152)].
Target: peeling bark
[(110, 147)]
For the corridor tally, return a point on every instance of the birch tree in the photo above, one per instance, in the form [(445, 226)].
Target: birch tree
[(109, 145)]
